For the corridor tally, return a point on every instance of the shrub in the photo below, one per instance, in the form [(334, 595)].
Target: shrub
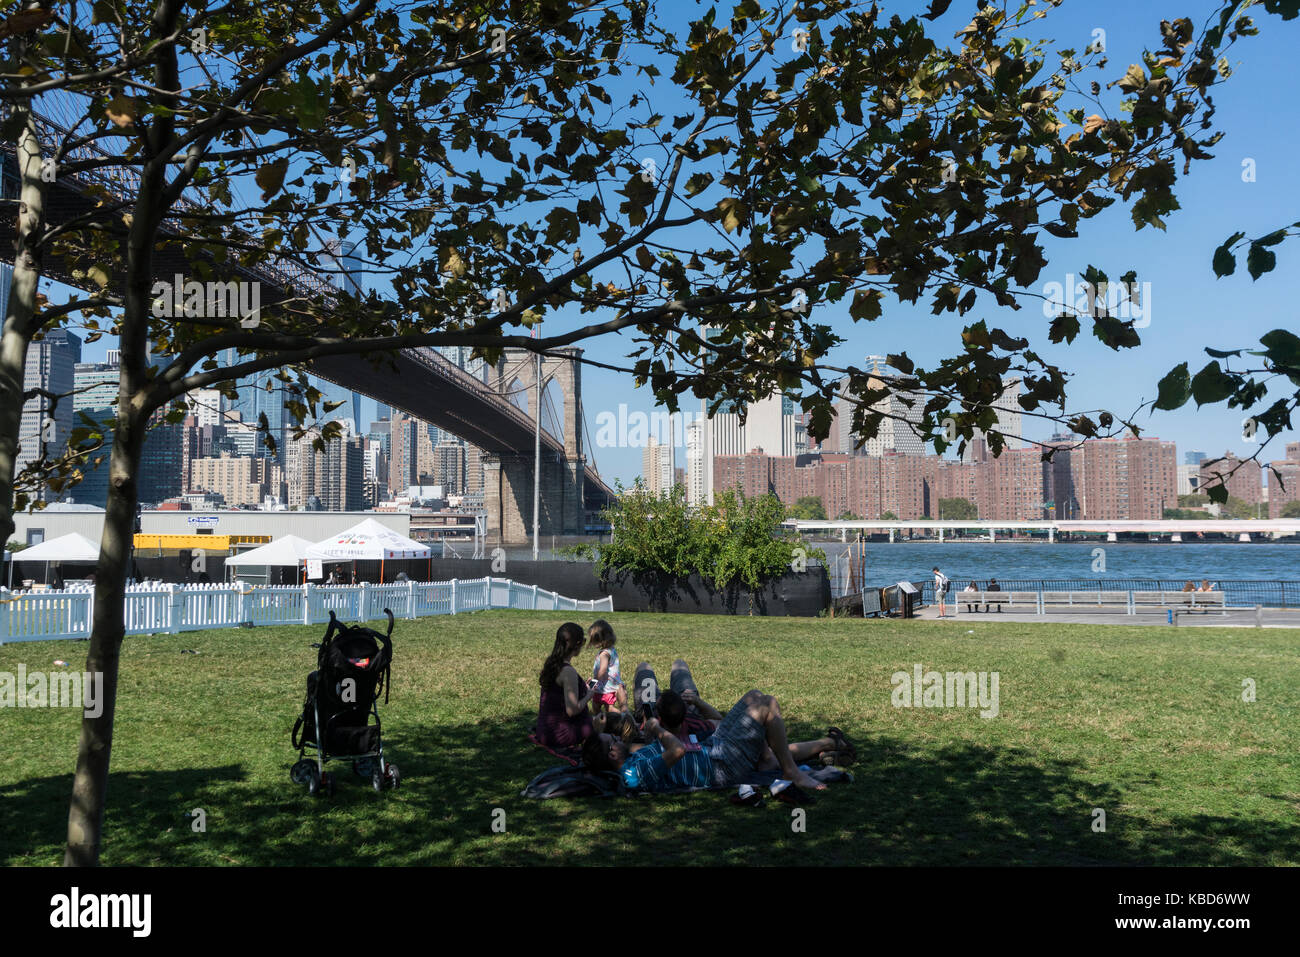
[(737, 539)]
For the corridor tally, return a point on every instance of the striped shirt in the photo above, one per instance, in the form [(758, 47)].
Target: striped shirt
[(646, 770)]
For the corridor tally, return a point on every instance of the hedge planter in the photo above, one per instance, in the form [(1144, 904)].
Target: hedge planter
[(802, 594)]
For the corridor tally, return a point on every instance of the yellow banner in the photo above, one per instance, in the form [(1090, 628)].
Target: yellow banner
[(209, 543)]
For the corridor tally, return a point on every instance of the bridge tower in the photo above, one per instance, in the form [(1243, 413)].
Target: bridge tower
[(508, 477)]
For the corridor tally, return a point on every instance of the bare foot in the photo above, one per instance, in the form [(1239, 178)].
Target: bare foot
[(802, 780)]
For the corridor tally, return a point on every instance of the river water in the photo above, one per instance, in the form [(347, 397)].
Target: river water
[(964, 561)]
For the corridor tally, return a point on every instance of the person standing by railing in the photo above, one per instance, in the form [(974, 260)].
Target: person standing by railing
[(940, 589)]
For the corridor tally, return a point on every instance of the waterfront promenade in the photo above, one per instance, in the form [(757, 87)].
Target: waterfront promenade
[(1061, 615)]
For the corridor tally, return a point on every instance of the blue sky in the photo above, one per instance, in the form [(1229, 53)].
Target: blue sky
[(1189, 307)]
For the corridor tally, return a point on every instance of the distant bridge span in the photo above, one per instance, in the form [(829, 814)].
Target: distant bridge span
[(425, 385)]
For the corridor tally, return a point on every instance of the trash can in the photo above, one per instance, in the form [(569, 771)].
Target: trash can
[(908, 598)]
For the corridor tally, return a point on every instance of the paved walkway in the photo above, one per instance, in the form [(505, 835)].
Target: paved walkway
[(1235, 618)]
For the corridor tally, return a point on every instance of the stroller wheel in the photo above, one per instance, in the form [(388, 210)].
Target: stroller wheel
[(313, 781), (327, 783), (394, 776), (301, 772), (377, 781)]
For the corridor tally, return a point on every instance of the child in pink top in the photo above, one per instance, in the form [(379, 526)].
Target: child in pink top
[(610, 692)]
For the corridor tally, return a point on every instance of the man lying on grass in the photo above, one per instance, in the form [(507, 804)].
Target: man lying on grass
[(736, 749)]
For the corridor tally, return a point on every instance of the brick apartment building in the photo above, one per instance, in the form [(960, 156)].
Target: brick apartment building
[(239, 479), (1245, 483), (1289, 469), (1129, 478)]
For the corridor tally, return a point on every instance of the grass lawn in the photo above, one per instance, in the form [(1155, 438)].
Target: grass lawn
[(1147, 723)]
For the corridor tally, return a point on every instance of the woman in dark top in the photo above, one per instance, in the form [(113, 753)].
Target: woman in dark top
[(563, 720)]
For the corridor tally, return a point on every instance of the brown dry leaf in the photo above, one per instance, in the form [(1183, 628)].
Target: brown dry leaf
[(122, 110)]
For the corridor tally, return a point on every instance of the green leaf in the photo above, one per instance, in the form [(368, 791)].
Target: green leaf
[(1225, 263), (902, 363), (1212, 385), (1282, 347), (1174, 389), (697, 183), (866, 304), (1260, 260), (1287, 9), (1063, 328), (937, 9)]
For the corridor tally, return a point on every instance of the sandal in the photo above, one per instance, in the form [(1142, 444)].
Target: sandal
[(845, 751)]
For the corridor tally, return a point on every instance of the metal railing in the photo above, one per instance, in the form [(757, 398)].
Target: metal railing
[(169, 609), (1237, 594)]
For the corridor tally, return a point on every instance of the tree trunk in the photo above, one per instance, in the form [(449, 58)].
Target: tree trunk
[(13, 362), (20, 310), (90, 785)]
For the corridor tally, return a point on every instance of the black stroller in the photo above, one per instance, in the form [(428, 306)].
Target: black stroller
[(353, 666)]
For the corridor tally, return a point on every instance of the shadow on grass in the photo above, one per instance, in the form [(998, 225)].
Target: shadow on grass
[(907, 806)]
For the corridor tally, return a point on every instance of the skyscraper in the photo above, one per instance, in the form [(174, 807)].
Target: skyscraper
[(1009, 412), (46, 425), (696, 476), (260, 394), (1008, 424), (897, 431), (656, 468), (95, 385)]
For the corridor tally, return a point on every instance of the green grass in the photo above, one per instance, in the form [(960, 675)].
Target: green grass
[(1144, 722)]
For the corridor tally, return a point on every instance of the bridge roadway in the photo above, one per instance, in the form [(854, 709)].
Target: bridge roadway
[(424, 384)]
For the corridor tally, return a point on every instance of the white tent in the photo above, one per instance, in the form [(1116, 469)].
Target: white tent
[(289, 550), (367, 541), (65, 548)]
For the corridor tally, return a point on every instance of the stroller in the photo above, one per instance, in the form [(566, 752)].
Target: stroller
[(353, 666)]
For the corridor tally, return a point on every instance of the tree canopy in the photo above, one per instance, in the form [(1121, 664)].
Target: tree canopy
[(604, 165), (736, 540), (807, 507), (955, 508), (486, 168)]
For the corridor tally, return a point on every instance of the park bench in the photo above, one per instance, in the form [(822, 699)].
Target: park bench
[(1092, 597), (973, 599), (1204, 600)]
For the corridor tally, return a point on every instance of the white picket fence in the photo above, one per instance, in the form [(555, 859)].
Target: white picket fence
[(168, 609)]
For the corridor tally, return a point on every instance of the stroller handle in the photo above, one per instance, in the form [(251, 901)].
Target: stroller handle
[(387, 638)]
